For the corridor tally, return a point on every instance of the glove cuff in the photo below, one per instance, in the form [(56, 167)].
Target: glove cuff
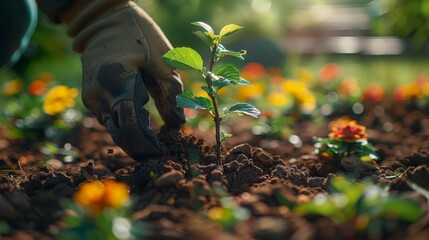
[(84, 12)]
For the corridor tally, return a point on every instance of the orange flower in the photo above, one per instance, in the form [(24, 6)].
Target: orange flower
[(348, 131), (12, 87), (37, 87), (349, 87), (253, 71), (373, 92), (329, 72), (400, 95), (96, 196)]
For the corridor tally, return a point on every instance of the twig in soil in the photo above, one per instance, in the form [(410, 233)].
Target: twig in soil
[(418, 189), (419, 225)]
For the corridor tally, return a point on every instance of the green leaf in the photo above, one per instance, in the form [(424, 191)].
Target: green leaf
[(244, 82), (204, 25), (225, 135), (184, 58), (222, 52), (211, 92), (244, 108), (229, 29), (188, 100), (403, 209), (223, 82), (228, 71), (207, 37)]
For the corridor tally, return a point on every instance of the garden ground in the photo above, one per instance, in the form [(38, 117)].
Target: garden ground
[(174, 194)]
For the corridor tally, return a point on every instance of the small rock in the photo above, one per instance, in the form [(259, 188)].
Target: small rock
[(244, 148), (262, 157), (169, 179), (55, 164), (216, 175), (271, 228), (354, 164)]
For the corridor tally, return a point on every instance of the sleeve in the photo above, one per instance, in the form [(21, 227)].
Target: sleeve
[(18, 19)]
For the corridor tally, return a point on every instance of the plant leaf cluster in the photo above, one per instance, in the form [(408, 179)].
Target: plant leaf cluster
[(221, 76), (338, 148), (217, 76), (366, 206)]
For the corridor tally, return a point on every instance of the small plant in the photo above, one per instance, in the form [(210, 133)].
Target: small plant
[(216, 77), (360, 207), (347, 138), (229, 214), (100, 210)]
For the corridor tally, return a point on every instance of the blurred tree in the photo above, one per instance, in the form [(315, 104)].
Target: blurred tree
[(266, 18), (401, 17)]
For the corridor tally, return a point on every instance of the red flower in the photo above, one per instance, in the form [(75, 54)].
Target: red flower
[(37, 87), (253, 71), (348, 131), (373, 92)]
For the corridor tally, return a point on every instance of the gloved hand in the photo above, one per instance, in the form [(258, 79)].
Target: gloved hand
[(122, 50)]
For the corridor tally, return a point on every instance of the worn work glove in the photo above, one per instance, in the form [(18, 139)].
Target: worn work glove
[(122, 50)]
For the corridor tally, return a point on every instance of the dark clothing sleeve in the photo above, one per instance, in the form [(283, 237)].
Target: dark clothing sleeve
[(18, 20)]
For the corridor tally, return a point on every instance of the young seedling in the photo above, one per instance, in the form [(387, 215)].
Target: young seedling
[(347, 142), (217, 76)]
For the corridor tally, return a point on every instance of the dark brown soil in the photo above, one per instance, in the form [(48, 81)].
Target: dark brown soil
[(174, 192)]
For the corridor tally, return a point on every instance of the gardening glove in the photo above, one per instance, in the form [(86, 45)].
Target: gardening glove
[(122, 50)]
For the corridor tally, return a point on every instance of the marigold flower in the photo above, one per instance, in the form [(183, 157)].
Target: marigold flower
[(253, 71), (59, 99), (400, 95), (37, 87), (329, 72), (12, 87), (373, 92), (277, 99), (349, 87), (348, 131), (305, 75), (96, 196), (250, 92)]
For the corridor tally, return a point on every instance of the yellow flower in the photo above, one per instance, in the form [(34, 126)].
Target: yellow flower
[(294, 87), (96, 196), (12, 87), (304, 75), (59, 99), (277, 99), (307, 102), (245, 93)]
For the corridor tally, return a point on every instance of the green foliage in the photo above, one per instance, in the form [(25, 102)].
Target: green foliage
[(351, 202), (188, 100), (216, 76), (404, 18), (229, 214), (184, 58), (112, 224), (341, 148)]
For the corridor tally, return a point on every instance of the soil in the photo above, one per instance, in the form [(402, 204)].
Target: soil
[(174, 192)]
